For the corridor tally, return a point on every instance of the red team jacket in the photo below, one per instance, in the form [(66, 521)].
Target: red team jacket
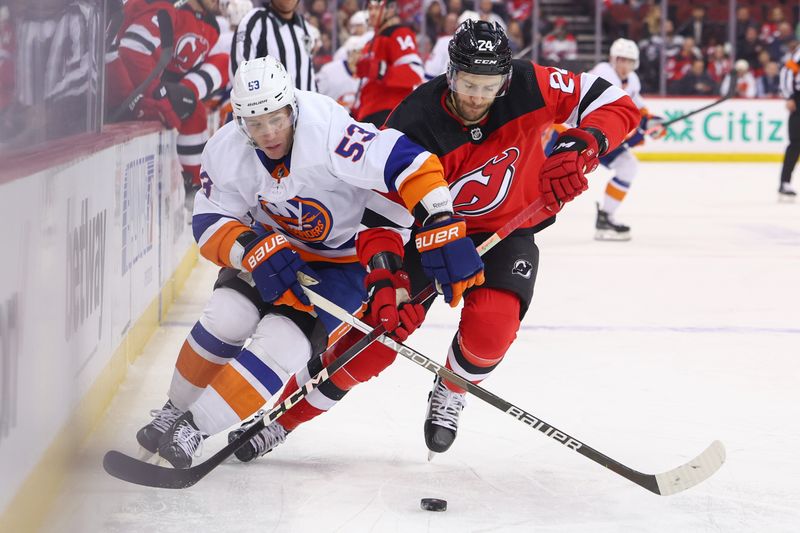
[(392, 68), (139, 42), (493, 167)]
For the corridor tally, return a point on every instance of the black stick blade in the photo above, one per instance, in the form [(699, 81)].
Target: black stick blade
[(133, 470)]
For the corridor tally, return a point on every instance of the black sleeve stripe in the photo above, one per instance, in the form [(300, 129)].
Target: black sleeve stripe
[(194, 149), (207, 79), (234, 64), (373, 219), (598, 88), (261, 47), (297, 57), (141, 40), (281, 49)]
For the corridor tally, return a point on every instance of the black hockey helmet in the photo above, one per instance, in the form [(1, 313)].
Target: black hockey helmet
[(480, 47)]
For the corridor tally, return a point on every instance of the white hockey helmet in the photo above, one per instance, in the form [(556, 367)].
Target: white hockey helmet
[(235, 10), (261, 86), (626, 49)]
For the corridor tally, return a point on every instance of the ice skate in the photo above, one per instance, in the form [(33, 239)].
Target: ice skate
[(610, 230), (149, 435), (786, 193), (441, 420), (181, 442), (262, 443)]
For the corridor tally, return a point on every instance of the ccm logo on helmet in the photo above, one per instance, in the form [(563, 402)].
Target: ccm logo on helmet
[(432, 239), (485, 61), (270, 244)]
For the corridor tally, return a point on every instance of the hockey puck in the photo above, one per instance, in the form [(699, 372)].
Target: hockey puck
[(433, 504)]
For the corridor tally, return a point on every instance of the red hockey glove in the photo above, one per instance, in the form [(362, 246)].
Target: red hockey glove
[(562, 176), (389, 294), (156, 109)]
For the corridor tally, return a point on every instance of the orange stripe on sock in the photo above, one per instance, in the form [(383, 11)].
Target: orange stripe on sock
[(615, 193), (243, 398), (194, 368)]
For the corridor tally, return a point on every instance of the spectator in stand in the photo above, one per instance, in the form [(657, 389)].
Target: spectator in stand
[(781, 47), (485, 12), (743, 21), (696, 82), (650, 48), (559, 44), (697, 27), (519, 10), (745, 81), (761, 64), (770, 30), (516, 40), (679, 64), (750, 47), (439, 57), (719, 64), (769, 85), (455, 6), (434, 19), (347, 9), (652, 21)]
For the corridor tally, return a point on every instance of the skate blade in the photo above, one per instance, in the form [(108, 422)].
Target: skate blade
[(786, 199), (611, 235), (431, 455)]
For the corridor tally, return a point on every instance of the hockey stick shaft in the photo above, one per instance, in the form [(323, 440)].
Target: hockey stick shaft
[(726, 96), (133, 470), (669, 482)]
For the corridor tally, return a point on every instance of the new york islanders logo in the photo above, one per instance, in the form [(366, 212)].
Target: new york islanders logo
[(483, 189), (303, 218)]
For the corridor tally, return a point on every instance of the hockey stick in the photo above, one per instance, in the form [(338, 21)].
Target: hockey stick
[(133, 470), (728, 95), (670, 482)]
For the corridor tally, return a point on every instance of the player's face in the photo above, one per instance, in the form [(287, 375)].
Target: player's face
[(273, 132), (623, 66), (473, 94), (284, 7)]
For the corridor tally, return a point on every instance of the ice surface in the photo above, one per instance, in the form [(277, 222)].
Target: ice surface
[(646, 350)]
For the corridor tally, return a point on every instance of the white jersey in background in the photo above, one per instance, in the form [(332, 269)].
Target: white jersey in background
[(336, 81), (318, 202), (632, 86)]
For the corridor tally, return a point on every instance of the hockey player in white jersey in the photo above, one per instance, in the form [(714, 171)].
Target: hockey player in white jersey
[(285, 188), (619, 70)]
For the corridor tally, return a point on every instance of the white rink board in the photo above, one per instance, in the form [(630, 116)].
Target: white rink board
[(82, 264), (736, 126), (646, 350)]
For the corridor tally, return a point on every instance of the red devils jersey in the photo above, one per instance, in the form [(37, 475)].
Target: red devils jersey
[(493, 167), (392, 69), (140, 38)]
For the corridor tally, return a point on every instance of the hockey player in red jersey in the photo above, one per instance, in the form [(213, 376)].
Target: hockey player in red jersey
[(144, 85), (485, 119), (390, 66)]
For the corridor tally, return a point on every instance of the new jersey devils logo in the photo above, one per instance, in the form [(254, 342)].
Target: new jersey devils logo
[(190, 51), (303, 218), (483, 189)]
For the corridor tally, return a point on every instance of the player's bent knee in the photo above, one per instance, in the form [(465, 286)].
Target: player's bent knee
[(489, 321), (230, 316)]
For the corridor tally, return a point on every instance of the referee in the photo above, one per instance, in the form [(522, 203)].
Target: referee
[(279, 31), (790, 87)]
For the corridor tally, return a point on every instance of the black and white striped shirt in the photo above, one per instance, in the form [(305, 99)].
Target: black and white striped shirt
[(262, 32), (790, 75)]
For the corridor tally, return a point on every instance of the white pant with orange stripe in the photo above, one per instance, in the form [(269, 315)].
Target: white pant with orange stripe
[(220, 380), (625, 166)]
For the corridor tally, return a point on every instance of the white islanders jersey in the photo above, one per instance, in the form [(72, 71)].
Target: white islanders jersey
[(336, 80), (336, 165), (632, 87)]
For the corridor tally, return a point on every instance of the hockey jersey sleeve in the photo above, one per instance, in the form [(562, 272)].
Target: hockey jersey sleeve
[(394, 60), (141, 43), (220, 216), (389, 162), (585, 100)]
